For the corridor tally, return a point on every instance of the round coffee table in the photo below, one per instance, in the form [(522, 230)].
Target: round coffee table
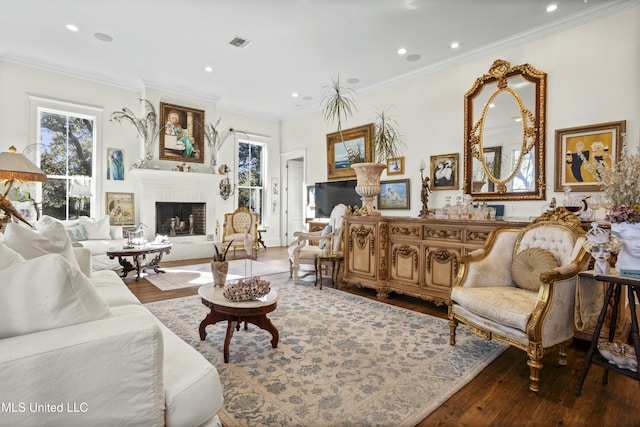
[(236, 312), (139, 257)]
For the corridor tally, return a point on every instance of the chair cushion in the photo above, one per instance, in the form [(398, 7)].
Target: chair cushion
[(505, 305), (46, 292), (327, 230), (96, 229), (528, 265)]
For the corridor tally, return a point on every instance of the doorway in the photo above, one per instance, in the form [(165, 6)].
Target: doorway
[(293, 173)]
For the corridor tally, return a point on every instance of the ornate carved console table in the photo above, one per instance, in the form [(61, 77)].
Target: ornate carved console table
[(412, 256)]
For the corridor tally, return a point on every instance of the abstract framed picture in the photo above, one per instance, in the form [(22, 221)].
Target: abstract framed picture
[(444, 171), (115, 164), (580, 149), (120, 208), (395, 166), (394, 194), (357, 141), (181, 135)]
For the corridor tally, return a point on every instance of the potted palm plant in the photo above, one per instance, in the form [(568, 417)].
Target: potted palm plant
[(220, 265), (337, 105)]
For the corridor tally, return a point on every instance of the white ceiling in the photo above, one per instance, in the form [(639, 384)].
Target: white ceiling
[(297, 45)]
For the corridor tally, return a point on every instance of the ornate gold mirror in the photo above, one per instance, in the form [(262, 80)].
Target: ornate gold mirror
[(504, 130)]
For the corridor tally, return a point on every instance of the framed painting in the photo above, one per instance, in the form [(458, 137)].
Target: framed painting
[(580, 149), (181, 135), (394, 194), (357, 141), (115, 164), (395, 166), (120, 208), (444, 171)]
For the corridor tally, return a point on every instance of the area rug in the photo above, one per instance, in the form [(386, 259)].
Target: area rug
[(200, 274), (342, 360)]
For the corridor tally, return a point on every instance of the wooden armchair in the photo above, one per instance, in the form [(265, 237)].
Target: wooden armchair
[(520, 288), (235, 225)]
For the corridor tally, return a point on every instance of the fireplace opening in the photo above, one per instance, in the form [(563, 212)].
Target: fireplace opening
[(181, 219)]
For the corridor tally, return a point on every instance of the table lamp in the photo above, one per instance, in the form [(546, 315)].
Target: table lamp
[(16, 167), (81, 191)]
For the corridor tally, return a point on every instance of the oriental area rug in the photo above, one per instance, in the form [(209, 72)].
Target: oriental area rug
[(200, 274), (342, 360)]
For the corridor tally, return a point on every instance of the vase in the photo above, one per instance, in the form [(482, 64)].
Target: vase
[(219, 269), (628, 263), (368, 184)]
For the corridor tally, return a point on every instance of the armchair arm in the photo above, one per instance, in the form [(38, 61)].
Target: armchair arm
[(98, 366)]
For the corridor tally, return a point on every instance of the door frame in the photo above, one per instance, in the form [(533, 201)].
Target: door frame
[(284, 158)]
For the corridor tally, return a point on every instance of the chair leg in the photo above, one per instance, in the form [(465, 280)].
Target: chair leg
[(453, 324), (563, 356), (290, 269), (534, 373)]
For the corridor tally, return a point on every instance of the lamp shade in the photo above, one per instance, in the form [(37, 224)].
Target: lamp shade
[(79, 188), (15, 166)]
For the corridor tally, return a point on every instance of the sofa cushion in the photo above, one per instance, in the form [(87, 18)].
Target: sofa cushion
[(44, 293), (528, 265), (48, 237), (96, 228), (77, 233), (8, 256)]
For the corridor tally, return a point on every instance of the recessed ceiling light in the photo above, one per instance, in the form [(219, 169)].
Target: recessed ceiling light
[(208, 69), (103, 37), (492, 105), (294, 94), (402, 51), (455, 45), (552, 7), (413, 58), (353, 81), (71, 27)]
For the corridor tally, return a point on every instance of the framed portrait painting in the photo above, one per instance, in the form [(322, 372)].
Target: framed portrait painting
[(356, 141), (580, 149), (444, 171), (394, 194), (395, 166), (182, 135), (120, 208)]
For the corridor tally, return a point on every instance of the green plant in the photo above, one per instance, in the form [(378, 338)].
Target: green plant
[(147, 126), (387, 139), (337, 104), (221, 254)]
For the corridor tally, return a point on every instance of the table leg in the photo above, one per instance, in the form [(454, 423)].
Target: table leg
[(594, 340), (227, 338), (263, 322), (315, 267), (635, 335)]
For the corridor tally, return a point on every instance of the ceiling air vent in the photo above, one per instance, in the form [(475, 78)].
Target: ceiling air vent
[(239, 42)]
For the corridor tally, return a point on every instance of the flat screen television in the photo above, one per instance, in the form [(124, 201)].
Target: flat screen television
[(332, 193)]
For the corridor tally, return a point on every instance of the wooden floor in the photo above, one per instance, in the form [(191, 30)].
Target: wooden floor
[(499, 395)]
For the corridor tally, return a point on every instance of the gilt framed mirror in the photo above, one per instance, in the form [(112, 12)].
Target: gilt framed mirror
[(504, 131)]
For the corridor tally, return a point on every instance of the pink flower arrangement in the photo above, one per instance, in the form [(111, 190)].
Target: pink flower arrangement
[(624, 213)]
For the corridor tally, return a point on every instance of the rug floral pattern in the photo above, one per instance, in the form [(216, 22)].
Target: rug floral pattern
[(342, 360)]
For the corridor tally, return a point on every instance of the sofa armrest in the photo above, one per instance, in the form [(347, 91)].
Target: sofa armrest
[(83, 256), (105, 372)]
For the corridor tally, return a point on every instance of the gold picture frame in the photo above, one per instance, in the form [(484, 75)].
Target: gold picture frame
[(593, 143), (181, 134), (444, 171), (359, 138), (395, 194), (395, 166), (121, 208)]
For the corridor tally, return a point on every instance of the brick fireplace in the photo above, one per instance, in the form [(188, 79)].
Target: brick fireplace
[(181, 219)]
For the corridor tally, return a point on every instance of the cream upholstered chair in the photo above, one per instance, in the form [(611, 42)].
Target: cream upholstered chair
[(301, 252), (235, 225), (520, 288)]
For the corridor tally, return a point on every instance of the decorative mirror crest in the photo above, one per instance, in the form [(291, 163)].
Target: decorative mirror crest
[(514, 130)]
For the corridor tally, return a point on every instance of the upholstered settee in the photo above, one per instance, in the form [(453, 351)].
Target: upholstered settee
[(77, 348)]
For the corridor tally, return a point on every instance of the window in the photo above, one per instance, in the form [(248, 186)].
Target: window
[(251, 160), (66, 148)]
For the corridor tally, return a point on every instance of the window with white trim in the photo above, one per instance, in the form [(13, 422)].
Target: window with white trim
[(251, 169)]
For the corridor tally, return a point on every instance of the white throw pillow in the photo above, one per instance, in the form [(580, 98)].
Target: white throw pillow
[(8, 256), (96, 229), (48, 237), (45, 293)]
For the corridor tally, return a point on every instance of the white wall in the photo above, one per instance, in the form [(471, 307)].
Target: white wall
[(19, 82), (592, 78)]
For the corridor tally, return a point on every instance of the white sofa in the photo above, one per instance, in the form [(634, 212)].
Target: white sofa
[(77, 348)]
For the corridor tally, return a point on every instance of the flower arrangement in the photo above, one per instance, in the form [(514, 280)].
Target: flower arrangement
[(619, 182)]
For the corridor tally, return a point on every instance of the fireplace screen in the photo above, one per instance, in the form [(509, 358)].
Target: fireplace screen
[(181, 218)]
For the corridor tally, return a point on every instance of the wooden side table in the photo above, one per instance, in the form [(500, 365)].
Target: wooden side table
[(616, 282), (335, 260), (138, 256)]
